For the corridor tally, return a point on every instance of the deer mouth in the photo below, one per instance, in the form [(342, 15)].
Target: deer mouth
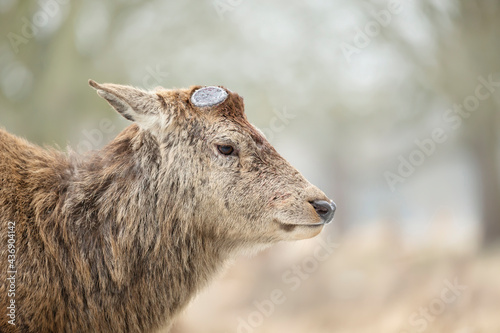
[(306, 224), (291, 226)]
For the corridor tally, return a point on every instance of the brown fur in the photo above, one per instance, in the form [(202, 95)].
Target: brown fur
[(121, 239)]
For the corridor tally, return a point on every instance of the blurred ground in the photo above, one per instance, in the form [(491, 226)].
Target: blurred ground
[(371, 282)]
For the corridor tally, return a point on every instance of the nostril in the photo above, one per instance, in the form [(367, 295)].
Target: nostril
[(320, 208), (325, 209)]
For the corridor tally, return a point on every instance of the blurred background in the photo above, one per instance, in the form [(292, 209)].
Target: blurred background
[(391, 107)]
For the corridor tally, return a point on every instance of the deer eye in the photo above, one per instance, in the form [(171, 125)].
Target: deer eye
[(225, 149)]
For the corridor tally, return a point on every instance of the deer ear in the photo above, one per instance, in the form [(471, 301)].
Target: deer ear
[(133, 104)]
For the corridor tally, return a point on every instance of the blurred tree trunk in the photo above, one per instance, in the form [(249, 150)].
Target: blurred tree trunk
[(481, 36), (485, 149)]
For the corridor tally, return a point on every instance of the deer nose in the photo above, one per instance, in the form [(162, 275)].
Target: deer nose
[(325, 209)]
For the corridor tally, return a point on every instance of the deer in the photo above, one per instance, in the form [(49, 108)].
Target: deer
[(120, 239)]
